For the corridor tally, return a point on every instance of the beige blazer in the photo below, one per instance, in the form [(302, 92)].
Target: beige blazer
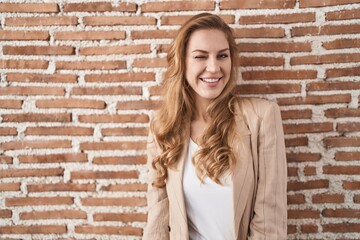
[(259, 180)]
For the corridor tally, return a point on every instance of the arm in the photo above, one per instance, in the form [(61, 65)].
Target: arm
[(270, 207), (158, 204)]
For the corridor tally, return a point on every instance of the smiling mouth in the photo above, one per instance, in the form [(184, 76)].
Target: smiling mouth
[(210, 80)]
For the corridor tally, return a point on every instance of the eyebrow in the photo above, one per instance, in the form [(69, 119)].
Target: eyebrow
[(203, 51)]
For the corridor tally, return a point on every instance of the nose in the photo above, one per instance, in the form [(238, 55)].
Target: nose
[(212, 65)]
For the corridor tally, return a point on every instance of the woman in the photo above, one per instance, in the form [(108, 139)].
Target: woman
[(217, 162)]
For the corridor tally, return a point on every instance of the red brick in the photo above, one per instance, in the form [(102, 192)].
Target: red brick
[(124, 132), (347, 156), (126, 201), (150, 63), (119, 20), (37, 117), (41, 21), (38, 201), (96, 146), (9, 35), (38, 50), (179, 20), (342, 43), (71, 103), (331, 142), (59, 214), (20, 64), (341, 170), (291, 229), (296, 199), (138, 105), (153, 34), (54, 158), (308, 127), (306, 213), (90, 35), (257, 4), (342, 112), (94, 65), (110, 50), (323, 3), (133, 231), (264, 32), (278, 18), (29, 7), (343, 72), (316, 99), (10, 104), (131, 160), (177, 6), (328, 198), (263, 89), (294, 142), (309, 171), (130, 187), (303, 157), (292, 171), (156, 90), (343, 227), (5, 159), (296, 114), (36, 144), (104, 174), (279, 74), (59, 131), (326, 59), (312, 184), (351, 185), (5, 213), (111, 118), (13, 186), (309, 228), (327, 86), (13, 173), (261, 61), (343, 15), (341, 213), (118, 90), (348, 127), (121, 77), (99, 7), (61, 187), (43, 78), (325, 30), (120, 217), (34, 229), (32, 91), (357, 198), (275, 47)]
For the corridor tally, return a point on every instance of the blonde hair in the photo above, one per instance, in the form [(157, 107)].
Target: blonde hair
[(169, 126)]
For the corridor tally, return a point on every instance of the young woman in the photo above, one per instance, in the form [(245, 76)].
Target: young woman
[(217, 166)]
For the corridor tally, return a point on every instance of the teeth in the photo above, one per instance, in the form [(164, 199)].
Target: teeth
[(210, 80)]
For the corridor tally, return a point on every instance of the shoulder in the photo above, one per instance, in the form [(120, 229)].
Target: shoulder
[(256, 106)]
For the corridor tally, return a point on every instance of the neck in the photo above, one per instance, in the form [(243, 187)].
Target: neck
[(200, 110)]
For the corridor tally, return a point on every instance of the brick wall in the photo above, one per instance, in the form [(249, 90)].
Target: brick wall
[(79, 82)]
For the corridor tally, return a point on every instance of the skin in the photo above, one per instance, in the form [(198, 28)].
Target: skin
[(208, 67)]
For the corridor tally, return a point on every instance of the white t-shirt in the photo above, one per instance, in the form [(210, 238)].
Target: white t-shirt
[(209, 206)]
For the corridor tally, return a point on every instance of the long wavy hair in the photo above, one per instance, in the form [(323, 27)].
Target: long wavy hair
[(171, 124)]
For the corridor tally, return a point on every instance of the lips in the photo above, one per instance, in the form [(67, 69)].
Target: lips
[(210, 80)]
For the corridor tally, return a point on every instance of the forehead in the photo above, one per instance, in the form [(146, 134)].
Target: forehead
[(208, 40)]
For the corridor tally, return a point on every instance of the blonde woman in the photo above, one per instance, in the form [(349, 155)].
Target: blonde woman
[(217, 166)]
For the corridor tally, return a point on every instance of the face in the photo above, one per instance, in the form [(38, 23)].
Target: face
[(208, 63)]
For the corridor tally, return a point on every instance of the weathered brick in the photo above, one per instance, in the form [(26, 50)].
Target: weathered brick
[(323, 3), (89, 35), (120, 217), (343, 227), (328, 198), (278, 18), (292, 171), (291, 229), (32, 91), (303, 157), (104, 174), (111, 118), (153, 34), (306, 213), (5, 159), (121, 77), (118, 90), (342, 43), (86, 229), (4, 131), (331, 142), (10, 104), (34, 229), (275, 47), (125, 201), (155, 90), (347, 156), (8, 35), (120, 160), (71, 103), (312, 184), (343, 72), (94, 65), (257, 4), (96, 146), (325, 30), (316, 99), (351, 185), (110, 50), (43, 78), (38, 50), (36, 144), (296, 199), (341, 170), (12, 186), (296, 114), (150, 63), (59, 131), (279, 74), (29, 7), (99, 7), (59, 214), (179, 20), (328, 86), (294, 142), (124, 132), (13, 173), (41, 21), (130, 187), (23, 64), (308, 127), (119, 20), (5, 213), (326, 59), (61, 187), (309, 171), (348, 127), (343, 14), (261, 89), (309, 228), (169, 6), (37, 117), (138, 105), (342, 112), (342, 213), (261, 61), (264, 32), (38, 201)]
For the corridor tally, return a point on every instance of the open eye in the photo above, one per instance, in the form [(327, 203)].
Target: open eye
[(223, 55)]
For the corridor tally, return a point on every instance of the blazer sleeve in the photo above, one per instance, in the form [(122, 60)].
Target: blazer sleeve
[(157, 200), (270, 206)]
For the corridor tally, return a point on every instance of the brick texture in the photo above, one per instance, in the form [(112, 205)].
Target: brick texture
[(80, 81)]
